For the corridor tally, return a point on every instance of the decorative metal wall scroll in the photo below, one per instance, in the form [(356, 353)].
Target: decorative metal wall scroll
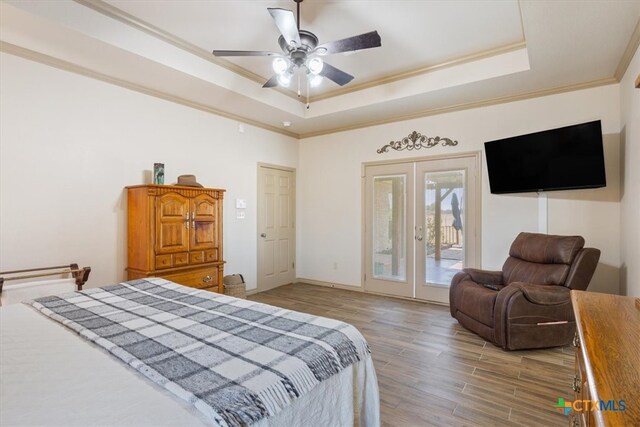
[(415, 141)]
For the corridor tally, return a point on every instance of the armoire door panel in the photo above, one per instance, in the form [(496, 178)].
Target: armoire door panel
[(172, 223), (204, 227)]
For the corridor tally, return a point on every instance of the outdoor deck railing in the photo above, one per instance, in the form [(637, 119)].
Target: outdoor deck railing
[(449, 235)]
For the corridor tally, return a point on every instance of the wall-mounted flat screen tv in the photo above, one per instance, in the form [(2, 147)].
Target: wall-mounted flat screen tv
[(566, 158)]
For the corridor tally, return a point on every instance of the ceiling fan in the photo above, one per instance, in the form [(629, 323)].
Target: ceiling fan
[(301, 51)]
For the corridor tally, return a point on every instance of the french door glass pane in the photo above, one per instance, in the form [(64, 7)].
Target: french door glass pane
[(389, 227), (443, 225)]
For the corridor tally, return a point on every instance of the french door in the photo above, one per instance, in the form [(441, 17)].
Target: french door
[(421, 225)]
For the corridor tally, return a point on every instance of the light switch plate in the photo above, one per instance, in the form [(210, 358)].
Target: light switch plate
[(241, 204)]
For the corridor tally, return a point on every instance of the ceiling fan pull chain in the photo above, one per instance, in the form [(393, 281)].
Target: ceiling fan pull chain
[(308, 90), (299, 93)]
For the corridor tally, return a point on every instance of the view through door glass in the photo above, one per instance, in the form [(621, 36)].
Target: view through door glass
[(389, 228), (446, 212), (389, 221), (444, 225)]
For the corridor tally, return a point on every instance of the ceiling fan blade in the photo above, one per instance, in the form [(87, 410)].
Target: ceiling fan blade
[(286, 23), (336, 75), (272, 82), (244, 53), (360, 42)]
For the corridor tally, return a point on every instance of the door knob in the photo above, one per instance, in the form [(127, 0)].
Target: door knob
[(419, 238), (263, 235)]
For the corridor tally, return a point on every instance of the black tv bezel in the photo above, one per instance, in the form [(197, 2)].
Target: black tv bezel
[(542, 190)]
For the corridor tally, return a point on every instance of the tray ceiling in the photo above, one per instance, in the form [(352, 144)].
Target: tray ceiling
[(435, 55)]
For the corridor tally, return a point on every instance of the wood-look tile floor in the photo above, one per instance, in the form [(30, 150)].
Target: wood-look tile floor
[(432, 371)]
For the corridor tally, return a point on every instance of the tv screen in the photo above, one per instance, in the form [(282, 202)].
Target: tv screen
[(566, 158)]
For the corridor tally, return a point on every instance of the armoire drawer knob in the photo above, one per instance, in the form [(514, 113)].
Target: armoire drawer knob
[(207, 279)]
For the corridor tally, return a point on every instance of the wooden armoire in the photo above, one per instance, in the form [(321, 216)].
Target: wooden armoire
[(175, 232)]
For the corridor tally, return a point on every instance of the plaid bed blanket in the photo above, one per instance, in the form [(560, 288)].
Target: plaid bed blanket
[(236, 361)]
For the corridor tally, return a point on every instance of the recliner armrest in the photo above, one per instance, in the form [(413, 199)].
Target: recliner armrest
[(543, 294), (524, 305), (484, 277)]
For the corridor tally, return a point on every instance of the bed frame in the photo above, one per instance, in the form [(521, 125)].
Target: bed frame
[(81, 275)]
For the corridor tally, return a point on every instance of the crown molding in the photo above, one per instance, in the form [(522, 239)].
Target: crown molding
[(68, 66), (468, 106), (627, 56), (128, 19), (422, 70)]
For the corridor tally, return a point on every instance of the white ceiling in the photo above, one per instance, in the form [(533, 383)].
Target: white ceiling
[(435, 55)]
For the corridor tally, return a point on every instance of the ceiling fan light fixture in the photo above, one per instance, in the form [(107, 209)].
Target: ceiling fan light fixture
[(315, 65), (284, 79), (315, 80), (280, 65)]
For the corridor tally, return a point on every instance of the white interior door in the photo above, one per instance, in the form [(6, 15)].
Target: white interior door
[(276, 227), (421, 225), (389, 229)]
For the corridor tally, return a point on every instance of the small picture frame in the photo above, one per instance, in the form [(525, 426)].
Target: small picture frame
[(158, 173)]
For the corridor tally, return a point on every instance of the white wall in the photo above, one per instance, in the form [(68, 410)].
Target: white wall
[(70, 144), (630, 210), (329, 182), (68, 147)]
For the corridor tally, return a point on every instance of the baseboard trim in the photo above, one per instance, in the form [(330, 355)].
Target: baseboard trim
[(252, 292), (423, 301), (328, 284)]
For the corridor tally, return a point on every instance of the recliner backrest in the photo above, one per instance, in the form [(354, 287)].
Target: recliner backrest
[(541, 259), (582, 269)]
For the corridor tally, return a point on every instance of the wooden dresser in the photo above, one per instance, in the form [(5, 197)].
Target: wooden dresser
[(175, 232), (607, 359)]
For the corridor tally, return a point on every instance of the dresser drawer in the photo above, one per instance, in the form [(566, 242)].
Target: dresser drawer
[(211, 255), (181, 259), (172, 260), (196, 257), (206, 277), (163, 261)]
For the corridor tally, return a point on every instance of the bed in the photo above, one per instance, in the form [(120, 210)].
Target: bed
[(67, 360)]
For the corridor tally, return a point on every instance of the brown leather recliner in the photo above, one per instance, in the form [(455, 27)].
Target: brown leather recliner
[(527, 304)]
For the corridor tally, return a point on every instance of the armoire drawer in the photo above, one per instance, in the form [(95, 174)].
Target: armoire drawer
[(206, 277), (172, 260)]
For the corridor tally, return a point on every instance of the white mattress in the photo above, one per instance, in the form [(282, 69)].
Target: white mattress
[(51, 376)]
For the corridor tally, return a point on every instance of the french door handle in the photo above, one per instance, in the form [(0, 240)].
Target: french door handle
[(419, 238), (263, 235)]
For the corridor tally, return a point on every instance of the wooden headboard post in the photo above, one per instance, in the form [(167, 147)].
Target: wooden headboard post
[(80, 274)]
